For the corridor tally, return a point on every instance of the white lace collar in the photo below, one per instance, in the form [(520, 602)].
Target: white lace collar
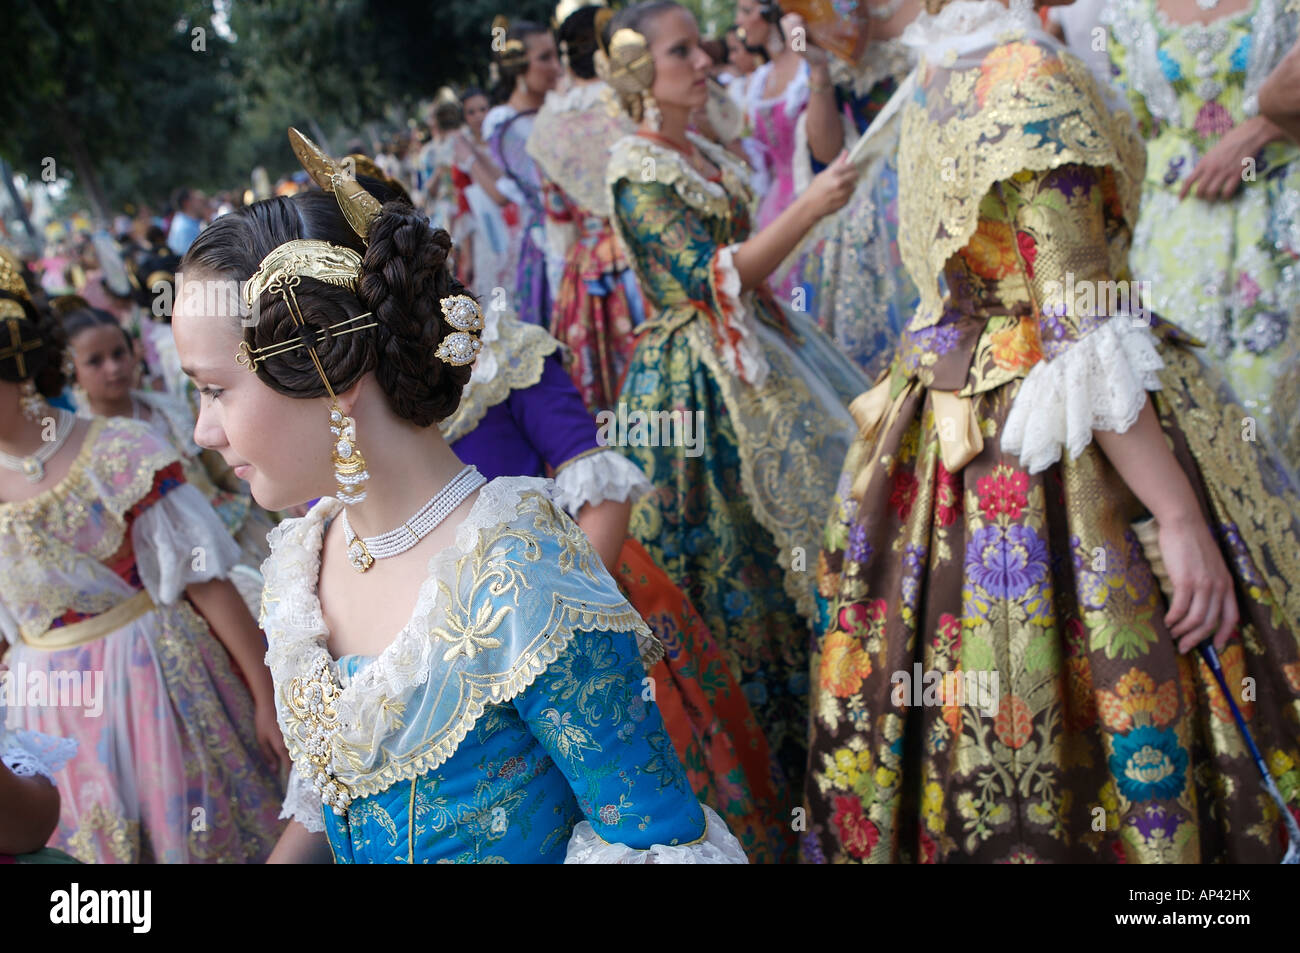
[(496, 608), (794, 96), (965, 25)]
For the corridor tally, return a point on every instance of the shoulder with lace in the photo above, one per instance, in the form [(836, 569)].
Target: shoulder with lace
[(496, 608), (114, 469), (512, 358), (1042, 108), (636, 159), (577, 98)]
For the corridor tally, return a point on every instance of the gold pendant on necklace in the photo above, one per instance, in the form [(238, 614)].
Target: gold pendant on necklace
[(33, 469), (359, 556)]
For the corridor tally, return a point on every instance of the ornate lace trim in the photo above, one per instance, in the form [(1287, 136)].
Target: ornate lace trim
[(880, 61), (1053, 117), (1099, 383), (593, 478), (29, 753), (302, 803), (794, 97), (370, 705), (513, 358), (96, 475), (578, 98), (968, 23), (739, 348), (782, 477), (628, 160)]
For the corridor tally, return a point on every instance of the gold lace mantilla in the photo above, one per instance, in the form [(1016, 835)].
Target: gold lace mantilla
[(639, 159), (1021, 106)]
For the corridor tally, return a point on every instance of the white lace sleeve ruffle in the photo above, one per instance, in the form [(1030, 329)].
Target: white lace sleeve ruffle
[(744, 355), (597, 477), (719, 846), (29, 753), (1098, 383), (303, 804), (180, 540)]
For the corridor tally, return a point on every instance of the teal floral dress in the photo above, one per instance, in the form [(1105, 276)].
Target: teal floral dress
[(736, 411), (1225, 271)]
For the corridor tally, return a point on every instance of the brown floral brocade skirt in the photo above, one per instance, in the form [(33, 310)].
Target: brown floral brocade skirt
[(992, 678)]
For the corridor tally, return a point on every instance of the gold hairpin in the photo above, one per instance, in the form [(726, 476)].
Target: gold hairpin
[(17, 346), (281, 272), (304, 258), (250, 357)]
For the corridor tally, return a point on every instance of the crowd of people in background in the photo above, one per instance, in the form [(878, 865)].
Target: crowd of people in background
[(763, 280)]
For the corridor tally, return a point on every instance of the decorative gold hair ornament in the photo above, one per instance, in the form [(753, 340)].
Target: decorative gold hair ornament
[(280, 273), (359, 207), (11, 280)]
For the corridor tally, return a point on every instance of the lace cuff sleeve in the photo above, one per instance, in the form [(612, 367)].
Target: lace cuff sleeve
[(29, 753), (738, 345), (595, 477), (1098, 383), (179, 540), (717, 846), (303, 804)]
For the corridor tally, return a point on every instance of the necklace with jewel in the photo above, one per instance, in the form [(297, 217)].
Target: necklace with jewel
[(363, 551), (33, 467)]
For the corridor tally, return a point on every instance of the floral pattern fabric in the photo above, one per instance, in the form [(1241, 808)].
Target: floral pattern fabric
[(168, 767), (764, 450), (992, 677), (580, 742), (1223, 270)]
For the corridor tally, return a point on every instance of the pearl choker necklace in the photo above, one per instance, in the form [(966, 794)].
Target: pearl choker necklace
[(33, 467), (362, 552)]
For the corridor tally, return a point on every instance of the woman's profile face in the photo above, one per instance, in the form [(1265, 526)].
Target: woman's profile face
[(280, 445), (681, 64), (544, 68)]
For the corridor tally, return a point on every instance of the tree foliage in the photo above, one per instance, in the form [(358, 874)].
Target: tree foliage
[(134, 98)]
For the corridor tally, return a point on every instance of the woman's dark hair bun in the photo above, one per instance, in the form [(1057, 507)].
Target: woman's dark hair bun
[(43, 363), (404, 277)]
